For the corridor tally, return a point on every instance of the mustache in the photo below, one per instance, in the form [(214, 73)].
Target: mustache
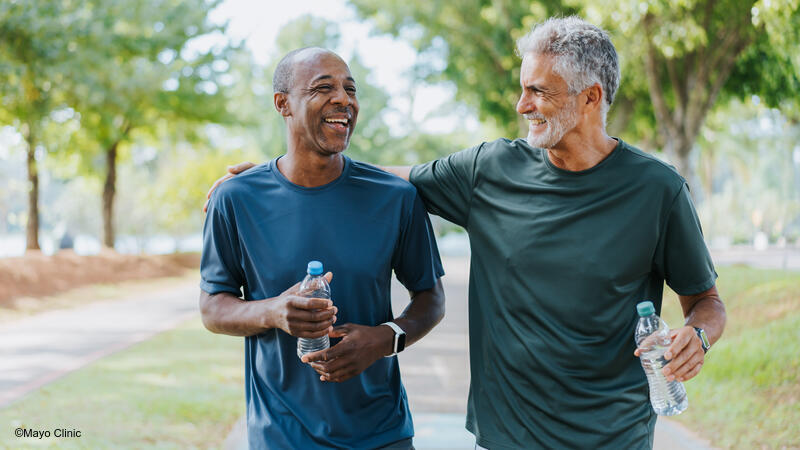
[(342, 110), (534, 116)]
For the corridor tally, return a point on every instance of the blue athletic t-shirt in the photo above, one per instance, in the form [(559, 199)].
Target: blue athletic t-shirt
[(260, 233)]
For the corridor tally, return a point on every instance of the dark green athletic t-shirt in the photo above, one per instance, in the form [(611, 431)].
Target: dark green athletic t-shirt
[(559, 261)]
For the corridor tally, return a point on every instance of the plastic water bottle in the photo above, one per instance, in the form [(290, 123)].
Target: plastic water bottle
[(652, 336), (316, 286)]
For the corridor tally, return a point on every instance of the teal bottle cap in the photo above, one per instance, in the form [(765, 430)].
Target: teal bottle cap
[(314, 268), (645, 309)]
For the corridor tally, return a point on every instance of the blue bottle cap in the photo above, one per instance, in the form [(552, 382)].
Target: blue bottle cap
[(645, 309), (314, 268)]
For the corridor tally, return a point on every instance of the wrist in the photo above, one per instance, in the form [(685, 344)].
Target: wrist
[(398, 338), (265, 314), (385, 340)]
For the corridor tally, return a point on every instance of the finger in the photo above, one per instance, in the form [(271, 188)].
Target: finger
[(217, 183), (637, 352), (293, 290), (315, 316), (310, 334), (679, 341), (681, 371), (343, 374), (341, 331), (310, 303), (205, 206), (313, 357), (692, 372), (329, 277), (241, 167)]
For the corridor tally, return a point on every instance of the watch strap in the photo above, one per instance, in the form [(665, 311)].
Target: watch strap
[(701, 333), (397, 332)]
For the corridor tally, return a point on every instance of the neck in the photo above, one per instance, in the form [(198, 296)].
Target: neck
[(309, 169), (577, 152)]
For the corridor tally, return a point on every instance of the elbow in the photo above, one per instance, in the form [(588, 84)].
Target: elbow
[(208, 312)]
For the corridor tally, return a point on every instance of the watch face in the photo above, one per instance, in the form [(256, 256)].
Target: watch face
[(401, 342)]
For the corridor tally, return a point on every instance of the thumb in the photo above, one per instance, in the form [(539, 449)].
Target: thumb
[(294, 289), (329, 276)]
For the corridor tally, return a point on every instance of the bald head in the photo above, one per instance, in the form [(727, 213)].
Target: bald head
[(283, 78)]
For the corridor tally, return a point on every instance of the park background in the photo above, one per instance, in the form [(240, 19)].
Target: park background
[(118, 115)]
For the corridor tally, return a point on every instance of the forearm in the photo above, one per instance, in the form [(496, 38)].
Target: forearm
[(706, 311), (224, 313), (424, 312), (403, 172)]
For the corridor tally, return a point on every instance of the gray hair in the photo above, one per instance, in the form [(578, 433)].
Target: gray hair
[(583, 54)]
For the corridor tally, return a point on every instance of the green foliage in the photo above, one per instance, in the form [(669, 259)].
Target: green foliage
[(475, 39), (701, 51)]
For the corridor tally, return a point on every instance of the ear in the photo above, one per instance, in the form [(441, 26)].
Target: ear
[(594, 96), (281, 101)]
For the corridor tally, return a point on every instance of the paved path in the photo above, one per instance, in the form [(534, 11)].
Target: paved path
[(787, 258), (37, 350)]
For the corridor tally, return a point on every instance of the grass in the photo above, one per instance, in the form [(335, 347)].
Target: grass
[(748, 392), (182, 389)]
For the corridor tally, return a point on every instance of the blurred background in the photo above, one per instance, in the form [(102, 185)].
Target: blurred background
[(118, 115)]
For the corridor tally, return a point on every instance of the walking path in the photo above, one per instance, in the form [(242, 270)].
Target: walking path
[(37, 350)]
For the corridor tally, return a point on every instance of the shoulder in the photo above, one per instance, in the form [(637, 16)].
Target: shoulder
[(365, 174), (240, 186), (650, 169)]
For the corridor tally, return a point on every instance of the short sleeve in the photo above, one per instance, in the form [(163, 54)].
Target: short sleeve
[(220, 270), (682, 257), (446, 184), (415, 260)]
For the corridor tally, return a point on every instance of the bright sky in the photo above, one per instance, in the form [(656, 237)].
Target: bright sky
[(258, 23)]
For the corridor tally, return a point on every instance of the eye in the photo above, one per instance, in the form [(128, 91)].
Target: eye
[(350, 90), (324, 88)]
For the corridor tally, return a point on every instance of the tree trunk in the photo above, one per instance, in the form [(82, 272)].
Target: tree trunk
[(32, 227), (109, 191)]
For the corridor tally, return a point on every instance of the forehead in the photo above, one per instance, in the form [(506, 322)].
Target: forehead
[(310, 66), (537, 68)]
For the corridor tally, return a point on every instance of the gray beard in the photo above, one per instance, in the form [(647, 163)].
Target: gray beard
[(557, 126)]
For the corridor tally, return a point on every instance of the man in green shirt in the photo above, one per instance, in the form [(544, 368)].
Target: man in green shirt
[(569, 230)]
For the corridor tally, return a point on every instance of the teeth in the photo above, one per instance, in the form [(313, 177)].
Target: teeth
[(538, 121), (343, 121)]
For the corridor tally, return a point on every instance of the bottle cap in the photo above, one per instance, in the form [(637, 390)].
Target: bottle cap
[(314, 268), (645, 309)]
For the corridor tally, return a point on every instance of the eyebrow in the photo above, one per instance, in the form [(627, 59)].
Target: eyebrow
[(326, 77), (536, 87)]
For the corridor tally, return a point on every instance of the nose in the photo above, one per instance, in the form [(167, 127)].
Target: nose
[(341, 97), (524, 105)]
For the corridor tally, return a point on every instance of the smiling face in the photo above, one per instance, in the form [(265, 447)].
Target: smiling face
[(321, 106), (545, 101)]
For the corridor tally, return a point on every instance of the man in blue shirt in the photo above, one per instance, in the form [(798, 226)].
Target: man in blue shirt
[(314, 203)]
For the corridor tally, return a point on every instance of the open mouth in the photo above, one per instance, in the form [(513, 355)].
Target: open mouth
[(537, 121), (338, 123)]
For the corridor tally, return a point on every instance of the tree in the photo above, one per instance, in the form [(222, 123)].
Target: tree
[(37, 42), (695, 53), (141, 78), (679, 56)]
